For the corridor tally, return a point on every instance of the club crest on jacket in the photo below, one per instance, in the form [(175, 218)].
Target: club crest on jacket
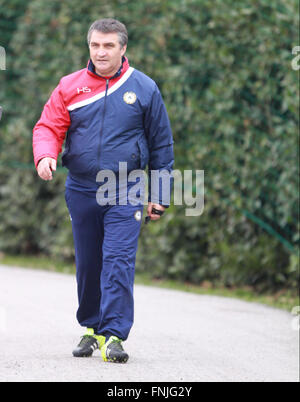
[(138, 215), (129, 97)]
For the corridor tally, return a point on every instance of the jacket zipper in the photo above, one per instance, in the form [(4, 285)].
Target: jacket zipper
[(102, 123)]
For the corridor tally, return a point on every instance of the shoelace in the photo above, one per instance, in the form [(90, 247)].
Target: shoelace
[(116, 344), (86, 339)]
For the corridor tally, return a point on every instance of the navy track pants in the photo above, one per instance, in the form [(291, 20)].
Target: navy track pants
[(105, 240)]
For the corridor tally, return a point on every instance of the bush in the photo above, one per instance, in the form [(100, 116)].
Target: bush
[(224, 69)]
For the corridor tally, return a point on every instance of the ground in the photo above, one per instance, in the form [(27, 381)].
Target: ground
[(176, 336)]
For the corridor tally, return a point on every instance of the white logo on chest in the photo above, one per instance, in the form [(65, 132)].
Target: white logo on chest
[(83, 90), (129, 97)]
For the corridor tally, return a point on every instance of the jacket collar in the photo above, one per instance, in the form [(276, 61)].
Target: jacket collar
[(124, 67)]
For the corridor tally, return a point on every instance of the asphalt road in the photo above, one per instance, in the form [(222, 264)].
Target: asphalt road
[(177, 336)]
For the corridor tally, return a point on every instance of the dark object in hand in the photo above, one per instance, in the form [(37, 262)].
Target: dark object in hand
[(155, 212)]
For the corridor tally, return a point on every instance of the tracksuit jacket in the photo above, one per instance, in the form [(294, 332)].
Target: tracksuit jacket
[(121, 119), (105, 121)]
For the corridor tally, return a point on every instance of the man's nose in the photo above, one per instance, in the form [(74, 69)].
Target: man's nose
[(101, 53)]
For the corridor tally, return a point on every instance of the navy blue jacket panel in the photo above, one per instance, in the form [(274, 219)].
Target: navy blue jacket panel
[(128, 124)]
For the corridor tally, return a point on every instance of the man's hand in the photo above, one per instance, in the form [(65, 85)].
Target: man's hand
[(45, 168), (154, 217)]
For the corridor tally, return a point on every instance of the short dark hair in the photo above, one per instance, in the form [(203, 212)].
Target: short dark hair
[(109, 25)]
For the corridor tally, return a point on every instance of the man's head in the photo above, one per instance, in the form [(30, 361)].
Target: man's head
[(107, 40)]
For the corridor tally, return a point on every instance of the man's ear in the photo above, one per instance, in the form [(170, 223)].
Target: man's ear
[(123, 50)]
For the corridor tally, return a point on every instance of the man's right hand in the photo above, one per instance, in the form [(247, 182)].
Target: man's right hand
[(45, 168)]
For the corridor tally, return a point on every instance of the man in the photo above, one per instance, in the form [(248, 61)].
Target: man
[(111, 113)]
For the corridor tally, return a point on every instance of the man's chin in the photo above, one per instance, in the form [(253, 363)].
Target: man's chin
[(102, 68), (103, 72)]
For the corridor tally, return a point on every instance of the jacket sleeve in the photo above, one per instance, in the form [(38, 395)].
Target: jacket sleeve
[(50, 131), (161, 156)]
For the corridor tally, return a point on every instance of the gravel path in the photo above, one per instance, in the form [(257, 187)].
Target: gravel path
[(177, 336)]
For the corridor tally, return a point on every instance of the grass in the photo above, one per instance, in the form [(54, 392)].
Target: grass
[(284, 299)]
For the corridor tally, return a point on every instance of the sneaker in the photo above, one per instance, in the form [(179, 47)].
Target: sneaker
[(87, 344), (112, 351)]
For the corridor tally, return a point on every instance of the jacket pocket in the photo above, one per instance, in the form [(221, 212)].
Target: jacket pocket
[(144, 152)]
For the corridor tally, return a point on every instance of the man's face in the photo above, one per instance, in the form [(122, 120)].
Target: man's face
[(106, 52)]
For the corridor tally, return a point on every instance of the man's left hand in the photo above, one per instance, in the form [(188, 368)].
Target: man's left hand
[(154, 217)]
